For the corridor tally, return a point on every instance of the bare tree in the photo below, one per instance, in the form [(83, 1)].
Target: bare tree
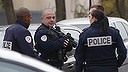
[(60, 10), (9, 10), (121, 8)]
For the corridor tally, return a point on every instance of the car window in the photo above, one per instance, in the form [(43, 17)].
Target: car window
[(122, 30), (7, 66), (82, 26), (126, 27)]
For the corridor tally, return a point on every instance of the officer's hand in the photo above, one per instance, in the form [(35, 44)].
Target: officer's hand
[(66, 42)]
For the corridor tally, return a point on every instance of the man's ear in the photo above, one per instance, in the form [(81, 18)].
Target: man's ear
[(26, 18), (94, 19), (41, 17)]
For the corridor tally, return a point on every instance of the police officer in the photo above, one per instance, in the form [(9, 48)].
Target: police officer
[(97, 46), (17, 37), (48, 42)]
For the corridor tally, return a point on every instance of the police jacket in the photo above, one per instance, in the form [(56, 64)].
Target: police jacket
[(19, 39), (48, 42), (97, 50)]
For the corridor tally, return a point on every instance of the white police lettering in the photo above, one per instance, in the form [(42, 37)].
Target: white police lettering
[(99, 41), (28, 39), (44, 38), (7, 44)]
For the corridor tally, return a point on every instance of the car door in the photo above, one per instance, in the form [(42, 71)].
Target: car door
[(13, 66)]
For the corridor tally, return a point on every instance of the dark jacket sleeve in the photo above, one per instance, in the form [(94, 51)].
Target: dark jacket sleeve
[(25, 42), (121, 50), (79, 55)]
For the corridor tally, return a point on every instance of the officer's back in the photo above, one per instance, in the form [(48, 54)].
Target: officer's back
[(17, 37), (97, 45)]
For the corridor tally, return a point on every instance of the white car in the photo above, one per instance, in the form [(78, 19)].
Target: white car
[(11, 61), (119, 23)]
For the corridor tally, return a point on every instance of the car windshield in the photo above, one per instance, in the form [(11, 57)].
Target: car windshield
[(82, 26)]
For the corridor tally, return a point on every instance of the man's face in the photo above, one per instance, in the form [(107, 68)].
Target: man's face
[(91, 19), (49, 19)]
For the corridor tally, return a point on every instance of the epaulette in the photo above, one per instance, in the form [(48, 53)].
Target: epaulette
[(40, 28), (114, 28), (85, 29)]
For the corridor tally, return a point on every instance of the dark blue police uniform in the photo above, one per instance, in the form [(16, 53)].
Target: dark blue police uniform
[(49, 44), (98, 52), (19, 39)]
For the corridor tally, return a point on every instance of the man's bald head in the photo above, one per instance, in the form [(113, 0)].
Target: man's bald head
[(46, 11), (21, 12)]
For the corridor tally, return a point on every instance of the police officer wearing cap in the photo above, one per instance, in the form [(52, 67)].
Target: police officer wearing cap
[(100, 47), (48, 42), (17, 37)]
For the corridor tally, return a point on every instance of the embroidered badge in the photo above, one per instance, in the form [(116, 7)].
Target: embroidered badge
[(44, 38), (28, 39)]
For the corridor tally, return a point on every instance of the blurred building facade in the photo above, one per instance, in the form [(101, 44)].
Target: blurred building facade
[(74, 8)]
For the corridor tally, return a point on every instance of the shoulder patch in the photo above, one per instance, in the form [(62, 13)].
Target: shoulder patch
[(28, 39), (99, 41), (44, 38)]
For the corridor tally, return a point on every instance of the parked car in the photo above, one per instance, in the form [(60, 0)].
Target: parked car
[(118, 23), (11, 61)]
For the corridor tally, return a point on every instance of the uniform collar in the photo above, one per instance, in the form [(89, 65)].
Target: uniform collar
[(45, 26), (22, 23), (95, 24)]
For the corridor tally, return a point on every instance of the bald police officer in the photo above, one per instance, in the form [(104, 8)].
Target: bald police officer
[(48, 42)]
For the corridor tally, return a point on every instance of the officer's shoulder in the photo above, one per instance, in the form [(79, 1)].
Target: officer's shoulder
[(114, 29), (41, 29), (17, 27), (85, 29)]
